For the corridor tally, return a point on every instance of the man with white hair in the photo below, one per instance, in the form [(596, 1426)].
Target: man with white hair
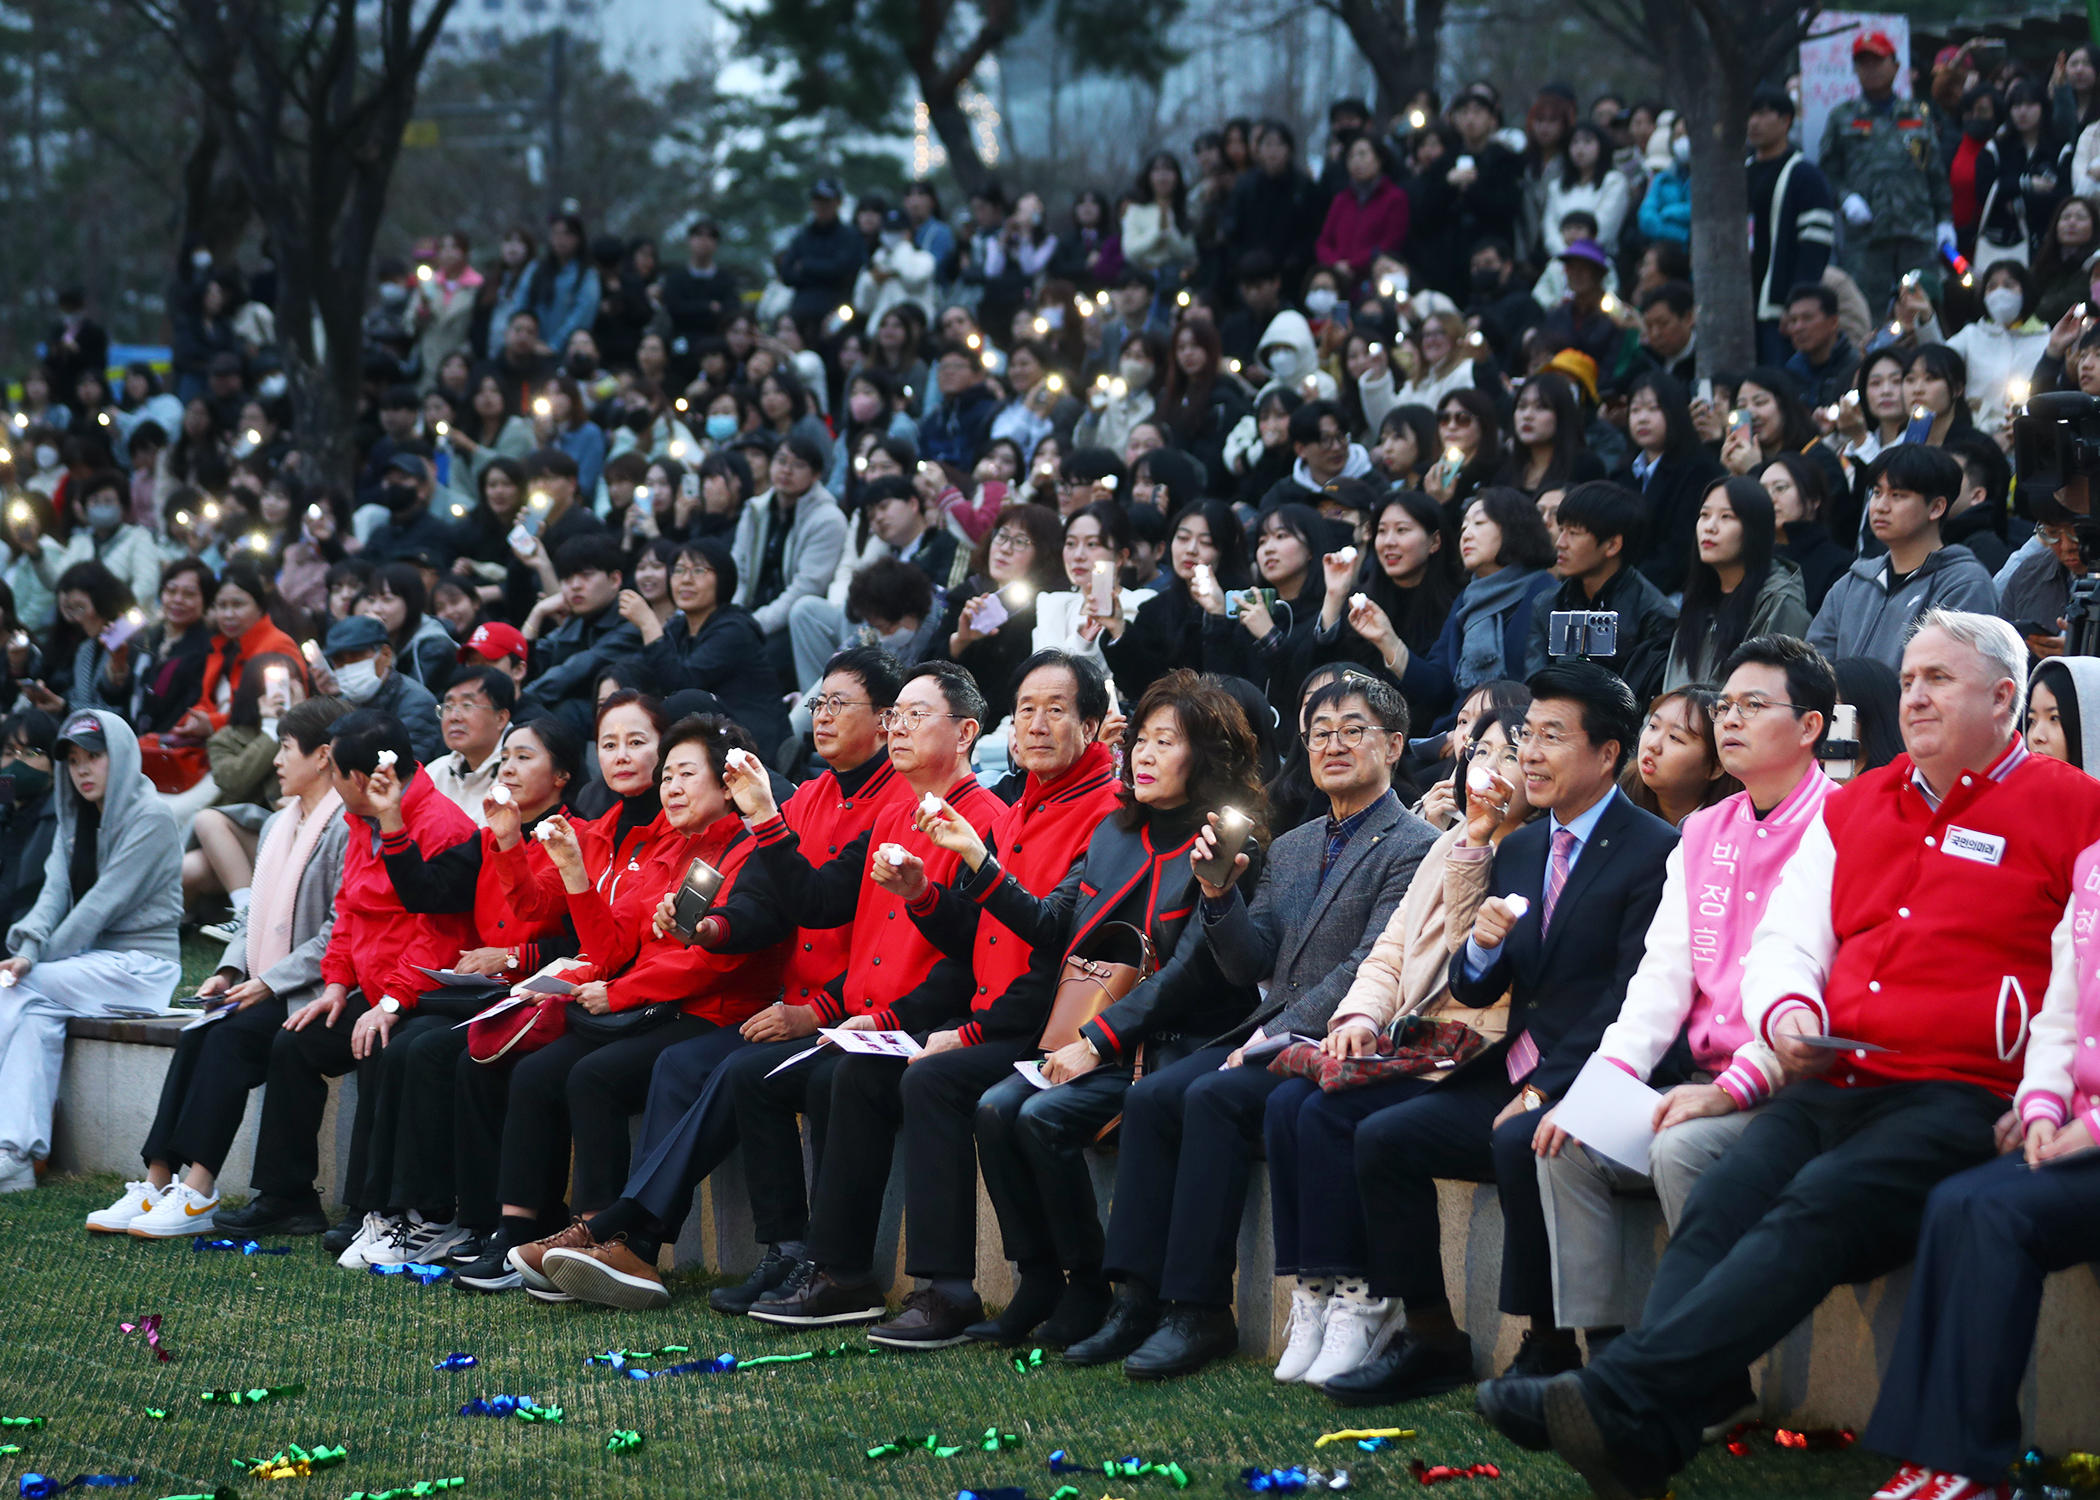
[(1894, 974)]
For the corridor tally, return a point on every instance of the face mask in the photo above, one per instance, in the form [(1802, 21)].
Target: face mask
[(1136, 373), (1978, 130), (105, 515), (721, 426), (1283, 362), (273, 385), (863, 406), (398, 497), (46, 456), (1486, 279), (1320, 301), (582, 366), (2003, 303), (1681, 150), (358, 681), (30, 783)]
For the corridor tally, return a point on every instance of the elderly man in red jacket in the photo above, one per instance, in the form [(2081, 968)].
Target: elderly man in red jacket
[(1895, 973)]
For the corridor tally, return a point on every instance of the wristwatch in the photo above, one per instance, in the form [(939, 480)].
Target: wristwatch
[(1534, 1097), (390, 1005)]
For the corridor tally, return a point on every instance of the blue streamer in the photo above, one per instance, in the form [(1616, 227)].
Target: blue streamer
[(37, 1486), (422, 1273), (246, 1247), (721, 1364), (456, 1362)]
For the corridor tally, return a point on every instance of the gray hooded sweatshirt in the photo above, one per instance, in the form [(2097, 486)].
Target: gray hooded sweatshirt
[(135, 904), (1860, 617), (2076, 679)]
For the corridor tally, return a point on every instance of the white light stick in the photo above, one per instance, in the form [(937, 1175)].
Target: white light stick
[(1518, 905), (387, 759), (544, 833), (500, 795), (1347, 554), (1358, 601), (7, 979), (746, 762), (930, 805)]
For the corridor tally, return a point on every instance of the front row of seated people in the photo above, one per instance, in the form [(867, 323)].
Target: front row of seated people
[(1451, 987)]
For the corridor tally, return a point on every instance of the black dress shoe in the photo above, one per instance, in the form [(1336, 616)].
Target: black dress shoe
[(1080, 1313), (266, 1215), (930, 1320), (1130, 1322), (1034, 1300), (1581, 1443), (1187, 1339), (338, 1239), (737, 1300), (1543, 1358), (1406, 1370), (822, 1302), (1515, 1406)]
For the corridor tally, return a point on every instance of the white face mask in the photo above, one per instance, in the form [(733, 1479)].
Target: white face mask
[(273, 385), (46, 456), (1320, 301), (2003, 304), (1681, 150), (357, 682), (1283, 362), (1137, 373)]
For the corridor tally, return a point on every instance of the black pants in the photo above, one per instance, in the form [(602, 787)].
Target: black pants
[(1951, 1397), (577, 1086), (205, 1092), (295, 1096), (1447, 1130), (1191, 1133), (481, 1094), (424, 1167), (933, 1101), (767, 1111), (1031, 1143), (689, 1122), (385, 1075), (1828, 1185)]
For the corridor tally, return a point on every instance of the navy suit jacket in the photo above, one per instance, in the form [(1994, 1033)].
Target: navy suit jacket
[(1566, 988)]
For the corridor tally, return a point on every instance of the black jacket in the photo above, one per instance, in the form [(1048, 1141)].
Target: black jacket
[(820, 263), (1567, 987), (1647, 625), (1278, 214), (566, 662), (1188, 997), (728, 659), (26, 832), (1975, 529), (1674, 490), (1822, 561)]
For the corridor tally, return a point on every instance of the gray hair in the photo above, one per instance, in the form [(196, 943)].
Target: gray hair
[(1989, 637)]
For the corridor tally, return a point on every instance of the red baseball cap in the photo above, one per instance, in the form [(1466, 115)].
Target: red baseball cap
[(1873, 41), (494, 641)]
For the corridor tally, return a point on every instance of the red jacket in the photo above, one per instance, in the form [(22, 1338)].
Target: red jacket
[(1938, 921), (377, 943), (533, 886), (1356, 232), (262, 638), (1038, 840), (434, 883), (827, 822), (886, 955), (621, 946)]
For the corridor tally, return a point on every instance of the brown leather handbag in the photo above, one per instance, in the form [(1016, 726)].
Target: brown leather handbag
[(1118, 959)]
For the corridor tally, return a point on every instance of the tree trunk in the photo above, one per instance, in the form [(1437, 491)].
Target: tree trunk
[(945, 113), (1403, 60), (1715, 100)]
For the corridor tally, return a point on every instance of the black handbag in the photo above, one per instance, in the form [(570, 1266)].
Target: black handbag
[(617, 1024)]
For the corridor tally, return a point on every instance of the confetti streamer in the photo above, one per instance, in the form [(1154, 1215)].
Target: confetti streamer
[(1363, 1436), (994, 1439), (1008, 1492), (524, 1408), (456, 1362), (1034, 1361), (21, 1421), (256, 1396), (37, 1486), (293, 1462), (157, 1413), (424, 1274), (223, 1492), (930, 1443), (245, 1247), (150, 1327), (414, 1491), (623, 1440), (1295, 1480), (1438, 1473), (1128, 1467)]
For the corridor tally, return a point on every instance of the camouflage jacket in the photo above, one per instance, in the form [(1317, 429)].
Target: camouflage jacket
[(1889, 157)]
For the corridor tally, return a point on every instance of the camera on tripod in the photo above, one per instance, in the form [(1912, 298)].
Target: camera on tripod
[(2056, 455)]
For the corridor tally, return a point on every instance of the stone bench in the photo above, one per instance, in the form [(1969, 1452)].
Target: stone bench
[(1825, 1373)]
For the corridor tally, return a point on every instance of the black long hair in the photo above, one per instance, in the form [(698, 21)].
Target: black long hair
[(1704, 603), (1558, 392), (1417, 613), (1796, 430), (1679, 435), (1226, 534)]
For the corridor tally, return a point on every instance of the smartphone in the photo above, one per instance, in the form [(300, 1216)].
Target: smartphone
[(1738, 421), (522, 541), (534, 515), (19, 641), (696, 894), (274, 678), (1231, 834), (1704, 391), (1840, 750), (1919, 428), (689, 486), (121, 630), (990, 614), (1101, 590), (1234, 603)]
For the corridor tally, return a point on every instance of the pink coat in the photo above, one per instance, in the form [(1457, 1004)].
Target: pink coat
[(1356, 232), (2063, 1050)]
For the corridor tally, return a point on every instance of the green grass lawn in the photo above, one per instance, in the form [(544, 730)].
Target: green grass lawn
[(364, 1348)]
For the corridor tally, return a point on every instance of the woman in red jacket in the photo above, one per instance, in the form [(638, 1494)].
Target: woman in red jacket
[(643, 990), (242, 629), (1368, 218)]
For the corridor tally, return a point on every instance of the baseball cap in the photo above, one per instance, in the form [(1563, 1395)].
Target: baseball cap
[(84, 730), (1585, 250), (493, 641), (1873, 41), (355, 633), (825, 187), (1481, 95), (415, 465)]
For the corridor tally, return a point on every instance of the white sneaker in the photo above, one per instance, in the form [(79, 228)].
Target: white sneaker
[(1308, 1328), (1351, 1326), (376, 1230), (138, 1201), (182, 1210), (414, 1239), (17, 1173)]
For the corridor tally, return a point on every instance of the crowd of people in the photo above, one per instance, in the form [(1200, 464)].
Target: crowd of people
[(1158, 675)]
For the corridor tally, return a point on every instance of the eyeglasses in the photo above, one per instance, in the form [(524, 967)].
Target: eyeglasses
[(1547, 739), (1012, 538), (831, 706), (1748, 708), (2056, 536), (1348, 735), (1455, 419), (1333, 439), (459, 708), (894, 719), (689, 571)]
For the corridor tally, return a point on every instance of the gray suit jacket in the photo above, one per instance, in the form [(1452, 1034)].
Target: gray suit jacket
[(296, 978), (1304, 935)]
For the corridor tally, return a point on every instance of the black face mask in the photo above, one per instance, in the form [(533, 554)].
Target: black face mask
[(1486, 280), (582, 366), (1978, 130), (399, 497), (30, 784)]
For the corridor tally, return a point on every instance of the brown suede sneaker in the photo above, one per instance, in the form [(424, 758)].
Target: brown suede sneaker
[(610, 1275), (525, 1259)]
